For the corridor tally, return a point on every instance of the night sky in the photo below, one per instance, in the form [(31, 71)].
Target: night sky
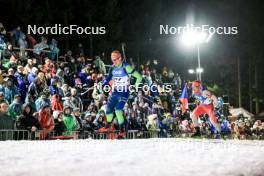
[(137, 24)]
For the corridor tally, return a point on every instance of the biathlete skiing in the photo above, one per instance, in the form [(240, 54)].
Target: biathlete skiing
[(120, 74), (206, 103)]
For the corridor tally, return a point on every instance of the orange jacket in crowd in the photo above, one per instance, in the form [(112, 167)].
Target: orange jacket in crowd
[(46, 122), (56, 104)]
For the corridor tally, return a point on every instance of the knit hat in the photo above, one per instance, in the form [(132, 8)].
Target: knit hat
[(76, 109), (67, 107), (17, 95), (88, 114), (34, 70), (56, 114)]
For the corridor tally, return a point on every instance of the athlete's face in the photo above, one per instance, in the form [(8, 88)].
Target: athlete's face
[(195, 89), (116, 59)]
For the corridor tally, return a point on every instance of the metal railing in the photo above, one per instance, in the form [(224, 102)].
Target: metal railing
[(14, 135), (131, 134)]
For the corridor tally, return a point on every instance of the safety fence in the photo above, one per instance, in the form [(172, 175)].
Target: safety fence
[(53, 135), (131, 134)]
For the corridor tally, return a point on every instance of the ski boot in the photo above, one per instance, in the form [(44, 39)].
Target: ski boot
[(218, 135), (121, 134)]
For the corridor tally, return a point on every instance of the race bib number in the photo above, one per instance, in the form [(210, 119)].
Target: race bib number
[(121, 81)]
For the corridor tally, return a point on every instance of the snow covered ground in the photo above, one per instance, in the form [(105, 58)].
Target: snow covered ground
[(132, 157)]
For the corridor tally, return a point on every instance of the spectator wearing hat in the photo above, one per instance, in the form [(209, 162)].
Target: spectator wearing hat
[(27, 121), (29, 100), (65, 90), (88, 124), (15, 108), (56, 103), (11, 75), (9, 90), (36, 88), (32, 76), (68, 100), (59, 124), (54, 87), (100, 120), (77, 117), (68, 120), (46, 121), (60, 75), (6, 122), (42, 101), (76, 99)]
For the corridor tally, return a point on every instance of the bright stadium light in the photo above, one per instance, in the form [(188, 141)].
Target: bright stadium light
[(199, 70), (191, 38), (191, 71)]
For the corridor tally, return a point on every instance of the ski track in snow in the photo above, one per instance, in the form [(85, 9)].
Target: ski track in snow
[(153, 157)]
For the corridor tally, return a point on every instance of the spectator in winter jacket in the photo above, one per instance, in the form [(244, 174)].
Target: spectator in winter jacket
[(35, 89), (54, 89), (56, 103), (2, 98), (11, 76), (11, 55), (76, 100), (6, 122), (54, 49), (43, 80), (67, 76), (88, 124), (29, 66), (49, 68), (46, 121), (28, 122), (77, 117), (9, 90), (83, 76), (100, 121), (132, 123), (22, 82), (42, 101), (68, 101), (68, 120), (32, 76), (59, 124), (29, 100), (15, 109), (65, 89)]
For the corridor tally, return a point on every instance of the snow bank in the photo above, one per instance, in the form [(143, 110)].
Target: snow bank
[(132, 157)]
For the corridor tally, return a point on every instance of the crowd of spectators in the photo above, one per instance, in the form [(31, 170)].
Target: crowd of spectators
[(43, 89)]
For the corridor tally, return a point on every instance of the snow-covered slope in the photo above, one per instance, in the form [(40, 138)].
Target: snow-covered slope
[(132, 157)]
